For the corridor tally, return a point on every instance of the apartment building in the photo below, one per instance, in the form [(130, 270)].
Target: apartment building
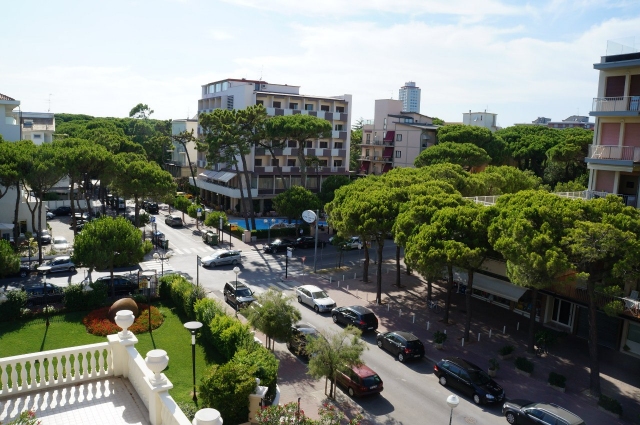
[(394, 138), (183, 156), (218, 183), (481, 119), (409, 94), (37, 126), (573, 121)]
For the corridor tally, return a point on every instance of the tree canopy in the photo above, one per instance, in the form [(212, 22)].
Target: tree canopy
[(466, 155)]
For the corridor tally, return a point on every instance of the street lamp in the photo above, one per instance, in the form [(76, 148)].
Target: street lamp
[(453, 402), (162, 257), (193, 327), (236, 270), (269, 223)]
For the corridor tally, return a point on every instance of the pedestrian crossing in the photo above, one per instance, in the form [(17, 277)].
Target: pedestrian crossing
[(273, 283), (157, 266)]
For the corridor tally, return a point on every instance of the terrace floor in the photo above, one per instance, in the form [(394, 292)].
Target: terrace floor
[(109, 401)]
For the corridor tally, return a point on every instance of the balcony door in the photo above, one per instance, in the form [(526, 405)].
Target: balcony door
[(563, 313)]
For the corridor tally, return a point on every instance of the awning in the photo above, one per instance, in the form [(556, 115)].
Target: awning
[(6, 226), (491, 285), (225, 177), (390, 136), (208, 174)]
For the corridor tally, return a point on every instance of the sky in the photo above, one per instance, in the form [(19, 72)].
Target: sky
[(518, 59)]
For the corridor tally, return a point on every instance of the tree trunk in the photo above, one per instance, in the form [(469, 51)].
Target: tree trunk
[(467, 299), (16, 231), (447, 301), (303, 163), (379, 277), (429, 289), (594, 374), (247, 181), (243, 203), (398, 283), (532, 320), (365, 268)]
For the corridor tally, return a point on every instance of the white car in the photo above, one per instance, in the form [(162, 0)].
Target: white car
[(222, 257), (58, 264), (60, 244), (314, 297), (352, 243)]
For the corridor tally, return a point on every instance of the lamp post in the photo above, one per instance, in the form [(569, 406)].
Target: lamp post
[(46, 307), (162, 257), (452, 402), (236, 270), (193, 327), (269, 223)]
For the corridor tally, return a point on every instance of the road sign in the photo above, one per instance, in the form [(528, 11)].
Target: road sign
[(152, 219)]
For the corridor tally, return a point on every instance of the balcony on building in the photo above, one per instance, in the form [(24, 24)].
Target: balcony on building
[(621, 156)]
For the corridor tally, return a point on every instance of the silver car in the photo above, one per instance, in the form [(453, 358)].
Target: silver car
[(222, 257), (314, 297), (173, 220), (57, 264)]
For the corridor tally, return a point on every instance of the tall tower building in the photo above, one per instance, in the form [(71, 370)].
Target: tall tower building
[(409, 94)]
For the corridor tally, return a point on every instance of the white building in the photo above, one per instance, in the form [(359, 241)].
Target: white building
[(409, 94), (37, 127), (481, 119), (218, 183), (183, 155)]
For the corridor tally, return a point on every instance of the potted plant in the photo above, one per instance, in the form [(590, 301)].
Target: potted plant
[(557, 382), (506, 352), (439, 338), (493, 367), (524, 366)]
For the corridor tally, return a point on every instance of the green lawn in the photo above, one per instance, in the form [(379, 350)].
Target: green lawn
[(67, 330)]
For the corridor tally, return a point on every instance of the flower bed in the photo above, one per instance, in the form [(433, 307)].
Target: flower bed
[(98, 324)]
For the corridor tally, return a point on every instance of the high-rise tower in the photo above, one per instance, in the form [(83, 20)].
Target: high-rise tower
[(409, 94)]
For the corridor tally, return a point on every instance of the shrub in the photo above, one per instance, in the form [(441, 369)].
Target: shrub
[(506, 350), (189, 409), (610, 404), (265, 364), (164, 287), (205, 310), (228, 335), (11, 308), (184, 294), (27, 417), (77, 299), (524, 364), (557, 380), (98, 296), (98, 324), (226, 388), (147, 247), (439, 337), (494, 364)]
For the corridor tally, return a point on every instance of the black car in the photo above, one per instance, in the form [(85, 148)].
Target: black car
[(23, 271), (238, 294), (279, 245), (307, 242), (63, 210), (525, 412), (356, 315), (36, 294), (121, 285), (403, 345), (468, 378), (151, 207), (300, 334)]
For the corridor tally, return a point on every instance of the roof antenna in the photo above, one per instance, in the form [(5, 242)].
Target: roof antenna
[(261, 69), (49, 109)]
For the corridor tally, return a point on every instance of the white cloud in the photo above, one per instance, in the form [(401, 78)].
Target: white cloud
[(220, 35)]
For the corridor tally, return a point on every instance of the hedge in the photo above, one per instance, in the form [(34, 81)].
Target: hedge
[(205, 310), (11, 308), (182, 292), (76, 299), (226, 388), (229, 335), (264, 361)]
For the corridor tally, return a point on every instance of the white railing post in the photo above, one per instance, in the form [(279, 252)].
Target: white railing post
[(119, 354)]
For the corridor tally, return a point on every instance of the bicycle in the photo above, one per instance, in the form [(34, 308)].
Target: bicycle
[(434, 305)]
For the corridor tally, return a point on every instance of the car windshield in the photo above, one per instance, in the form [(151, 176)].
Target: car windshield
[(479, 377), (246, 292), (370, 381), (59, 240), (319, 295)]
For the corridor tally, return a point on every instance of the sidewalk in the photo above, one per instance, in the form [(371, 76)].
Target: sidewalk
[(405, 309)]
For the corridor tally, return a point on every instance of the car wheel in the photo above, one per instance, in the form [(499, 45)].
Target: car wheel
[(226, 299), (300, 300), (23, 274), (443, 381), (477, 399), (511, 418), (316, 309), (234, 262), (351, 392), (401, 357), (379, 343), (334, 318), (72, 269)]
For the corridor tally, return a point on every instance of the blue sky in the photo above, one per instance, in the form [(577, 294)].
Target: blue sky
[(518, 59)]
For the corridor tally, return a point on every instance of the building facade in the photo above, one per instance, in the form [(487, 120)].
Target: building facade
[(394, 138), (219, 184), (37, 127), (573, 121), (481, 119), (182, 156), (409, 94)]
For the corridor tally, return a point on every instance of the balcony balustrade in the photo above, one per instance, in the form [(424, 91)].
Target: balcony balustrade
[(622, 153), (616, 104)]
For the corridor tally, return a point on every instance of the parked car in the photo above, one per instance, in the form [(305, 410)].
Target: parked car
[(122, 285), (173, 220), (360, 380), (50, 215), (525, 412), (356, 315), (82, 216), (307, 242), (468, 378), (23, 271), (45, 238), (279, 245), (300, 335), (315, 298), (36, 294), (60, 244), (58, 264), (151, 207), (352, 243), (238, 294), (403, 345), (63, 210), (220, 258)]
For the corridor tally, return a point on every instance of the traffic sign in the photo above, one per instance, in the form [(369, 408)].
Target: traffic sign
[(152, 219)]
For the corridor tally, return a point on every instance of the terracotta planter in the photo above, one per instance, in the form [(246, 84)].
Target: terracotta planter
[(438, 346), (492, 372), (522, 372), (560, 389)]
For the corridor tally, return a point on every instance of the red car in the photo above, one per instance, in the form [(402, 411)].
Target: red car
[(360, 380)]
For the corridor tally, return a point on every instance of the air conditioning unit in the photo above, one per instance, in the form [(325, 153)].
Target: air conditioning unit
[(263, 86)]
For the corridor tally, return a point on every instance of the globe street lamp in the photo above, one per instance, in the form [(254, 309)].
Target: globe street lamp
[(162, 257), (269, 223), (452, 402), (193, 327), (236, 270)]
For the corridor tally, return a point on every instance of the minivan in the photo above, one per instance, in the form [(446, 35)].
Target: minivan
[(360, 380)]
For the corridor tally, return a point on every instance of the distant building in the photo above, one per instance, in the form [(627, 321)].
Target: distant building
[(481, 119), (541, 121), (409, 94), (183, 155), (9, 118), (573, 121), (394, 138), (38, 126)]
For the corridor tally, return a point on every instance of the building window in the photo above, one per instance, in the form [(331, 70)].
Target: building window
[(275, 162), (340, 109), (279, 183), (398, 137), (291, 162), (308, 144), (276, 104), (338, 127), (292, 143), (258, 162), (368, 137), (308, 107), (37, 136), (259, 102), (322, 162), (366, 153), (218, 87), (293, 106), (324, 108), (398, 154), (337, 163), (324, 145), (337, 145)]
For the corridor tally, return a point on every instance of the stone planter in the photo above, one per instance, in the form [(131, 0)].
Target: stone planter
[(157, 361), (560, 389), (492, 372), (615, 415), (124, 319), (522, 372), (506, 356), (438, 346)]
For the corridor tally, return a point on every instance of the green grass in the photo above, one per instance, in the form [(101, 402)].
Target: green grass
[(67, 330)]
